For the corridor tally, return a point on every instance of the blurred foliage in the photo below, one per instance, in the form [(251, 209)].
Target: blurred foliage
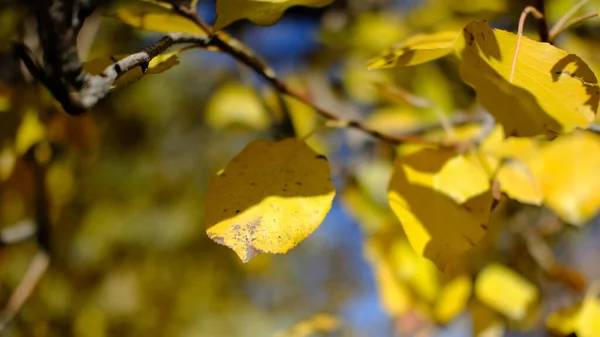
[(125, 185)]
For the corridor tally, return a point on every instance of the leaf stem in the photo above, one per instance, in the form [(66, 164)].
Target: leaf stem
[(578, 20), (538, 15)]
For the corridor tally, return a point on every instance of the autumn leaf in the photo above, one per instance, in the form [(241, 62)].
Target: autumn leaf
[(394, 295), (552, 91), (582, 319), (416, 271), (261, 12), (453, 299), (269, 198), (505, 291), (151, 16), (569, 173), (30, 131), (442, 200), (236, 104), (416, 50)]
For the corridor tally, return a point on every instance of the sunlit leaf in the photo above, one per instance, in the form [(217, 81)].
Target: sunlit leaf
[(416, 50), (418, 272), (30, 132), (394, 295), (569, 171), (582, 319), (519, 183), (269, 198), (453, 299), (506, 291), (236, 104), (552, 91), (261, 12), (443, 202), (152, 16)]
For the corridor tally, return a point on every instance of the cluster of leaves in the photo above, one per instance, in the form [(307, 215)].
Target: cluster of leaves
[(445, 189)]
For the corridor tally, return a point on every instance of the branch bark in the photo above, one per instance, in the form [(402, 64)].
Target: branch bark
[(93, 88)]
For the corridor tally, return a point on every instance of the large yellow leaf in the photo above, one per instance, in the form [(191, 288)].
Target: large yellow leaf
[(505, 291), (151, 16), (583, 319), (270, 197), (443, 201), (552, 91), (569, 171), (416, 50), (261, 12)]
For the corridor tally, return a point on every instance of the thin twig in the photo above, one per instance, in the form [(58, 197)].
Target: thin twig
[(35, 271), (241, 53), (564, 19), (578, 20), (538, 15)]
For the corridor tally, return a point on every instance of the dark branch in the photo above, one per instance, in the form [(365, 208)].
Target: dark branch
[(93, 88), (543, 30)]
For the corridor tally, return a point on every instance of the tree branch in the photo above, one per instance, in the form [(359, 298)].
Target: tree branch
[(34, 273), (95, 87), (542, 22)]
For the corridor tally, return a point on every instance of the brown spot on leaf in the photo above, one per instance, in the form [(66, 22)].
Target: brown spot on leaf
[(468, 239)]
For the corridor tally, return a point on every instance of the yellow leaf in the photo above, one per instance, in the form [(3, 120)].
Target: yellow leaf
[(29, 133), (416, 50), (393, 295), (157, 65), (569, 172), (583, 319), (361, 83), (419, 273), (236, 104), (519, 183), (152, 16), (270, 197), (453, 299), (443, 202), (372, 217), (486, 322), (505, 291), (552, 91), (393, 118), (261, 12)]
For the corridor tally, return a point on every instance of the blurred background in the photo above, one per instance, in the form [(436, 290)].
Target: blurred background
[(124, 185)]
